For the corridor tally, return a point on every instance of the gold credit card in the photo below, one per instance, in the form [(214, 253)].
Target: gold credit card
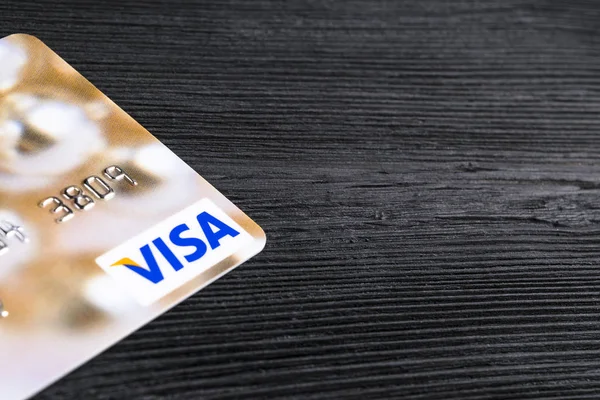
[(102, 227)]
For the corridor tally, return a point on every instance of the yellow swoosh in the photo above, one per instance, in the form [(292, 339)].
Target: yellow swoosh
[(125, 261)]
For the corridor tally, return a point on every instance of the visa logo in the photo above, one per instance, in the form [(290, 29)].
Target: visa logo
[(175, 251), (151, 271)]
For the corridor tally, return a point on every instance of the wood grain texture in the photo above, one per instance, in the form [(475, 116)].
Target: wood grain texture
[(426, 172)]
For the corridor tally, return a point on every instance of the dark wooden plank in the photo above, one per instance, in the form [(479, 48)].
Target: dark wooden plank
[(426, 172)]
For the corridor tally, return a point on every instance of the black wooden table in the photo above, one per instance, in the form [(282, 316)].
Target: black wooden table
[(426, 171)]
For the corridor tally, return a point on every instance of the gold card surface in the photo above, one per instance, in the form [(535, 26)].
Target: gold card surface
[(102, 227)]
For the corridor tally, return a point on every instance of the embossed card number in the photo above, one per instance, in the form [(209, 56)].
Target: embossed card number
[(77, 197), (8, 230)]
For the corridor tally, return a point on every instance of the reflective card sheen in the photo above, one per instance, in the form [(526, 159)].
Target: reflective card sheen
[(102, 227)]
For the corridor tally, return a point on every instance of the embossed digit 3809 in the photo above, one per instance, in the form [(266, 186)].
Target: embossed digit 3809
[(81, 201)]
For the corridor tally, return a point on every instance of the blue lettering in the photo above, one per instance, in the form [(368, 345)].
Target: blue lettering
[(153, 273), (207, 223), (177, 240), (168, 254), (206, 220)]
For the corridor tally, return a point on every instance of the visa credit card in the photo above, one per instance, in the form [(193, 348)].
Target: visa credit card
[(102, 227)]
